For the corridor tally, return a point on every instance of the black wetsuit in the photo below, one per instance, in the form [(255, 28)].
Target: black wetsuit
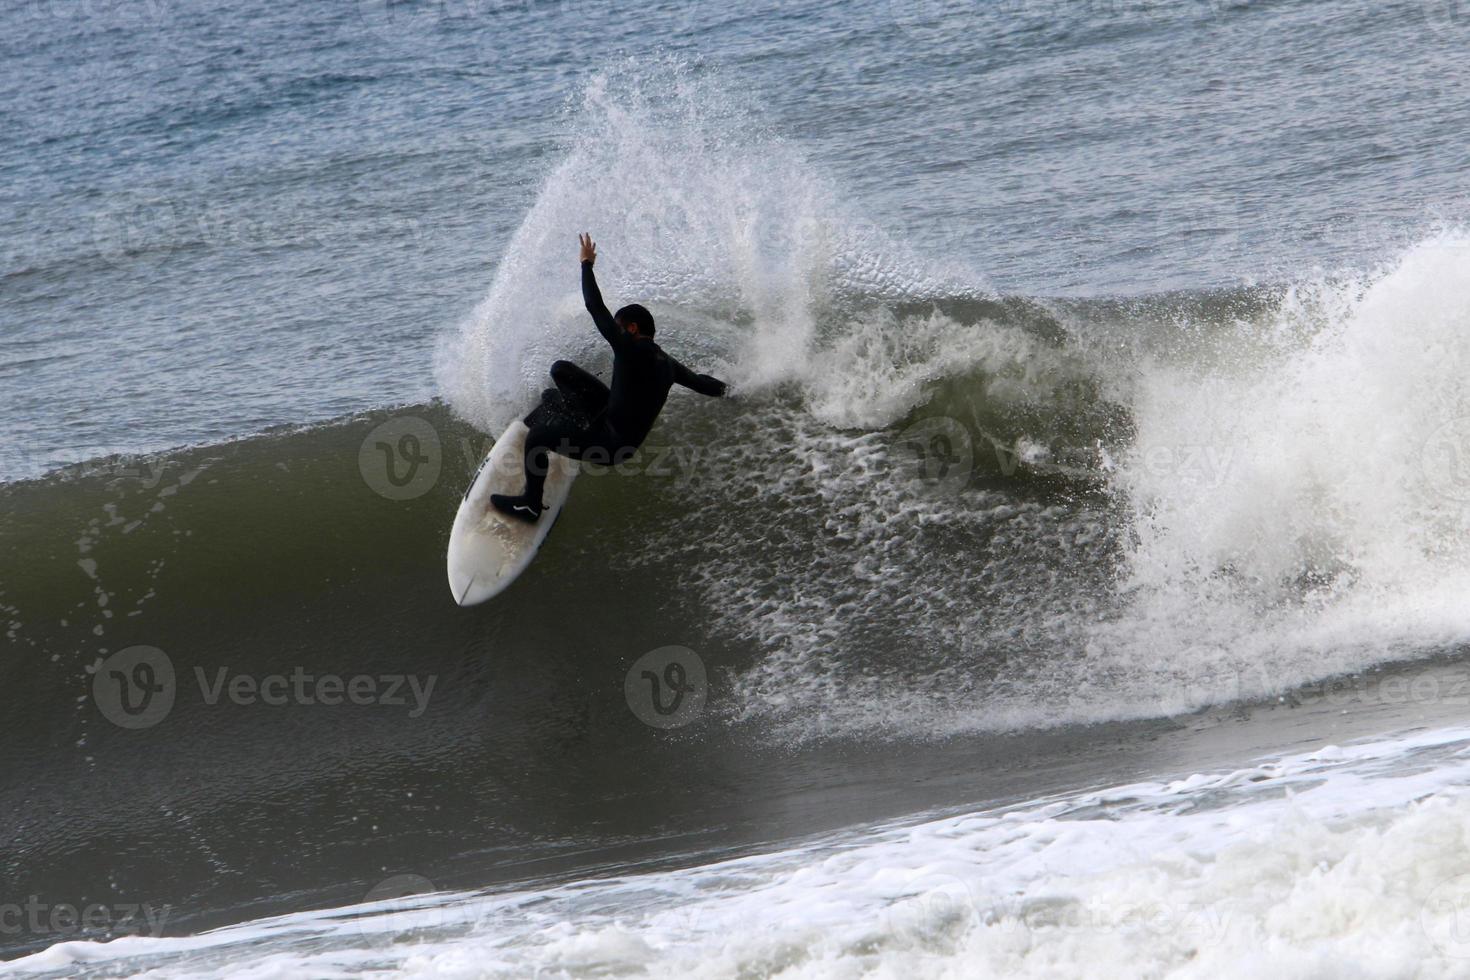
[(584, 419)]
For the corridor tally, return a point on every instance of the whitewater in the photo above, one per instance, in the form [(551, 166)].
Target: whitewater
[(1344, 861), (1077, 571), (1282, 481)]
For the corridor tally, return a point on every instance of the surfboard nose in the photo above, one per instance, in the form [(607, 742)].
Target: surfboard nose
[(461, 590)]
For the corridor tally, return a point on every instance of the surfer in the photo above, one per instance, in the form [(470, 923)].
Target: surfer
[(581, 417)]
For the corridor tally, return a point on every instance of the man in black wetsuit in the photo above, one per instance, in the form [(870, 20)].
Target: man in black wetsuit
[(583, 419)]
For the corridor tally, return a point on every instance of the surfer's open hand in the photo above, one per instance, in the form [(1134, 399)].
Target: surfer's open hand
[(589, 248)]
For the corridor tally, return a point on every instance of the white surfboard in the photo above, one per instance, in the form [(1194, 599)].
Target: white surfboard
[(488, 550)]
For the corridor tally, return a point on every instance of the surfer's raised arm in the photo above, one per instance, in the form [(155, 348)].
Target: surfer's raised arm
[(582, 418), (592, 296)]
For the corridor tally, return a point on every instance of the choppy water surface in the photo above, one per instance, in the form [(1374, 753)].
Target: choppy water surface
[(1098, 420)]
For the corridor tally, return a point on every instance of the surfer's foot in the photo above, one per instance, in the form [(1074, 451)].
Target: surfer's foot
[(518, 507)]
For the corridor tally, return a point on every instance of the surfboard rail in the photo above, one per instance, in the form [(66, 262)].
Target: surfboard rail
[(487, 550)]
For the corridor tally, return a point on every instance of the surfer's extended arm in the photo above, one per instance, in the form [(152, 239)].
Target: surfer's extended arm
[(592, 296), (703, 383)]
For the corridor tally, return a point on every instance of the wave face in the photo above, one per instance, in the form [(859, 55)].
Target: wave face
[(931, 509), (1154, 505), (1029, 545)]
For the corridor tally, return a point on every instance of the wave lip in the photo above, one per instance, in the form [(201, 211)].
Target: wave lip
[(723, 228)]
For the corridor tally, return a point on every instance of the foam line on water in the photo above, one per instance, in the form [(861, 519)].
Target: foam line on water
[(1344, 860)]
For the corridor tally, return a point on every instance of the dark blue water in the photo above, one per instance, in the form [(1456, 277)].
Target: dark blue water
[(221, 219)]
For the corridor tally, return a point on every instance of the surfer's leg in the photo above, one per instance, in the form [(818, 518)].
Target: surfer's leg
[(577, 398), (562, 437), (552, 410), (582, 390)]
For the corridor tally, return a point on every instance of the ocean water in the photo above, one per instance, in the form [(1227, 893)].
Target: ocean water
[(1074, 583)]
